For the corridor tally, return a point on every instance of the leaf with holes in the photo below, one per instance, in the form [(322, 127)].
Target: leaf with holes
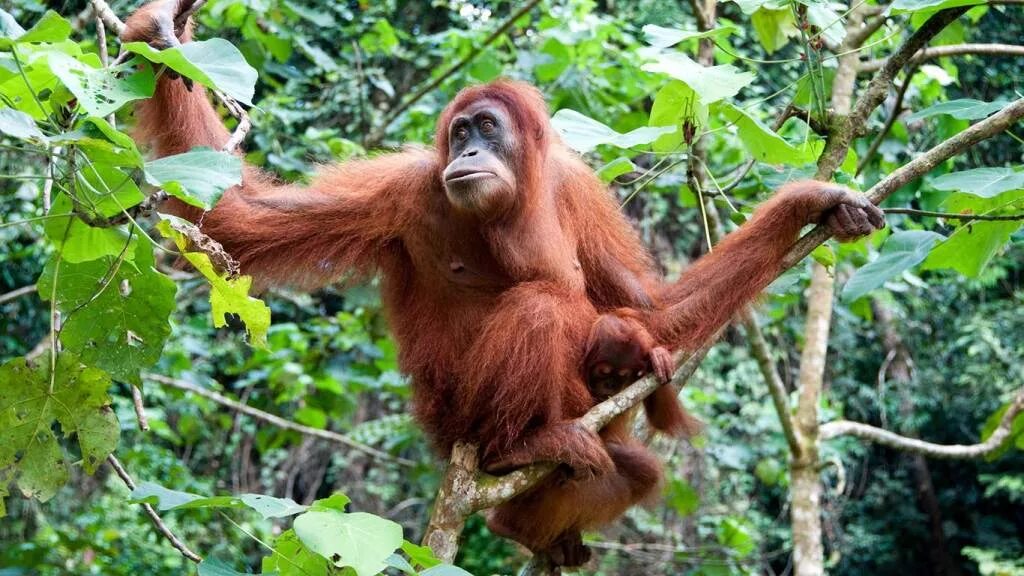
[(100, 91), (32, 399), (214, 63), (116, 311)]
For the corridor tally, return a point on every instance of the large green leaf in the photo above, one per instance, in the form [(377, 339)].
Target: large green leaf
[(32, 399), (760, 141), (971, 247), (583, 134), (50, 28), (106, 190), (227, 295), (359, 540), (774, 28), (198, 177), (711, 83), (291, 558), (983, 182), (905, 6), (116, 313), (962, 109), (215, 63), (827, 21), (101, 91), (901, 251), (661, 37), (214, 567), (79, 242)]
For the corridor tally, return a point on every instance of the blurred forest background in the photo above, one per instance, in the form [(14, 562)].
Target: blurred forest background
[(330, 76)]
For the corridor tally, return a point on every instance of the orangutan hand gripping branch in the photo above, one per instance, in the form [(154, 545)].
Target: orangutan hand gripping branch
[(518, 293)]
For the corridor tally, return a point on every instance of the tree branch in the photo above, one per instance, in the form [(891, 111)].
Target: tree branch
[(377, 135), (1009, 50), (948, 451), (776, 388), (153, 516), (17, 293), (275, 420), (955, 216)]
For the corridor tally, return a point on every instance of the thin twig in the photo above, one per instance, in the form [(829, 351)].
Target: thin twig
[(378, 134), (1008, 50), (140, 409), (276, 420), (999, 436), (954, 216), (17, 293), (103, 11), (153, 516)]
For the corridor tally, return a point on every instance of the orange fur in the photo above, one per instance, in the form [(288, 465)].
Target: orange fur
[(491, 316)]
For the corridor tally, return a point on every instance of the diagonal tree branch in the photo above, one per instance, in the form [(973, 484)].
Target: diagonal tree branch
[(1008, 50)]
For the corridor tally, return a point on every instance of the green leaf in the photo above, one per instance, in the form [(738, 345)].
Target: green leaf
[(227, 295), (100, 91), (397, 562), (905, 6), (682, 497), (31, 401), (768, 471), (337, 501), (198, 177), (359, 540), (422, 556), (106, 190), (774, 28), (675, 105), (583, 134), (760, 141), (214, 567), (116, 312), (9, 28), (292, 558), (19, 125), (827, 21), (50, 28), (711, 83), (962, 109), (661, 37), (214, 63), (824, 255), (735, 533), (553, 59), (78, 242), (969, 249), (901, 251), (983, 182), (615, 168), (166, 499)]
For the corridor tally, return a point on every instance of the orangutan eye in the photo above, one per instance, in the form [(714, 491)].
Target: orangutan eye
[(487, 127), (461, 134)]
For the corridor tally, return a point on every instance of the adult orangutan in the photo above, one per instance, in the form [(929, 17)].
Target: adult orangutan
[(499, 252)]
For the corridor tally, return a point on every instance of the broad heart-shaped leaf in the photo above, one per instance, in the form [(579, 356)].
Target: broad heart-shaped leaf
[(291, 558), (615, 168), (901, 251), (676, 104), (904, 6), (227, 295), (983, 182), (214, 63), (583, 134), (661, 37), (99, 90), (760, 141), (962, 109), (116, 311), (31, 400), (106, 190), (19, 125), (420, 555), (167, 499), (774, 27), (197, 177), (360, 540), (712, 83), (78, 242)]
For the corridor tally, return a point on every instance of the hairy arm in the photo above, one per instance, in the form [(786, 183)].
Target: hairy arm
[(282, 234), (711, 291), (617, 267)]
